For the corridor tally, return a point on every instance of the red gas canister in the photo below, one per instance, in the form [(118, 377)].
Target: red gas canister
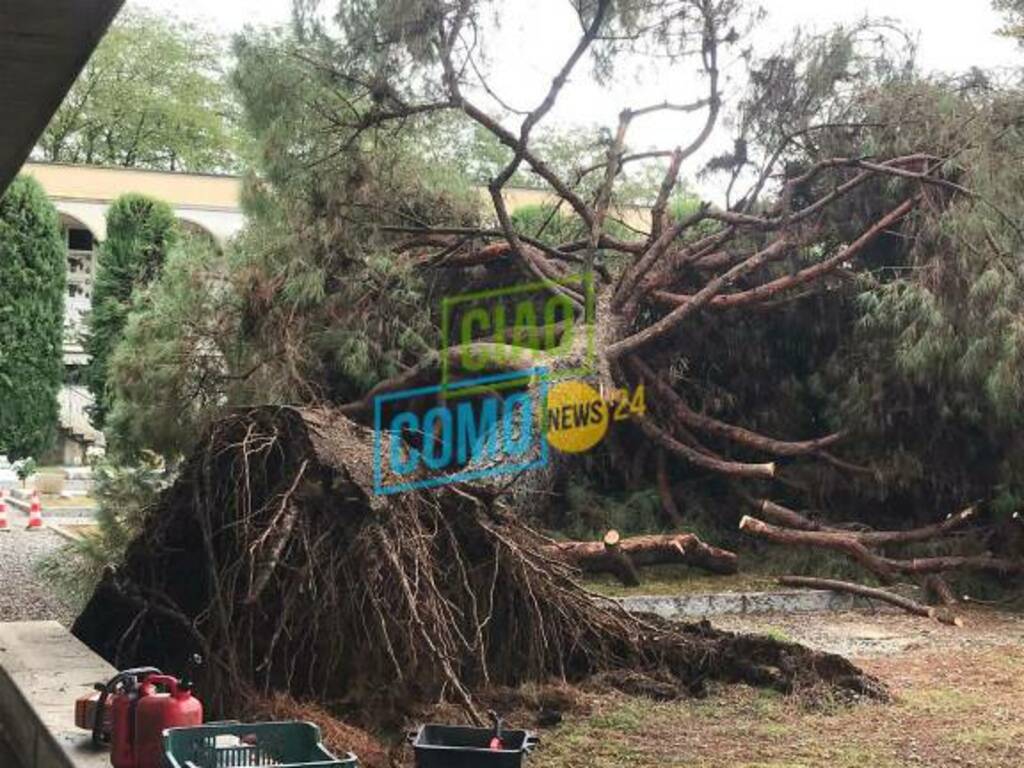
[(155, 712), (122, 746)]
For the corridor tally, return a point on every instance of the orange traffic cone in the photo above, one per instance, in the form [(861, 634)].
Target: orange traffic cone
[(3, 511), (35, 513)]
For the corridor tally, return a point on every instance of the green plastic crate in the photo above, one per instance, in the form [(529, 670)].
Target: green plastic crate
[(250, 745)]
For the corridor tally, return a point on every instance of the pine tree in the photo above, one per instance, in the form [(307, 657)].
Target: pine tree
[(33, 273)]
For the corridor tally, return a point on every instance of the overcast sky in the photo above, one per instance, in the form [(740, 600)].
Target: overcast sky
[(951, 37)]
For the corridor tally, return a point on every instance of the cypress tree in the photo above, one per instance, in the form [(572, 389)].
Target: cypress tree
[(140, 232), (33, 275)]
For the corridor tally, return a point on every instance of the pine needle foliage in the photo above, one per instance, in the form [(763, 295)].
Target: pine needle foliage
[(176, 365), (125, 495)]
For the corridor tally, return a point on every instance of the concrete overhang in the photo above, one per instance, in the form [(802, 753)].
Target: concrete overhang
[(44, 44)]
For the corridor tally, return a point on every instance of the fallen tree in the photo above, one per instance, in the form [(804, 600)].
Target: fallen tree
[(623, 557), (272, 557)]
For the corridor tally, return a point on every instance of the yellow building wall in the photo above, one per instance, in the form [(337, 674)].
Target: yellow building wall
[(104, 185), (101, 184)]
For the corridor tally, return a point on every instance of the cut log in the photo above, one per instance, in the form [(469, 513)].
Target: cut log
[(938, 591), (908, 605), (846, 543), (789, 518), (611, 554), (619, 561)]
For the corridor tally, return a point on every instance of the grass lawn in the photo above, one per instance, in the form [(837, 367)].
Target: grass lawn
[(680, 580), (956, 703)]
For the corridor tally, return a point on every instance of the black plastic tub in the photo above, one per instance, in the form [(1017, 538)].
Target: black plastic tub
[(456, 746)]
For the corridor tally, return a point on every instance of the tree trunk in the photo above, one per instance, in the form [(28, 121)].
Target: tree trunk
[(938, 591), (622, 557), (791, 519), (840, 542)]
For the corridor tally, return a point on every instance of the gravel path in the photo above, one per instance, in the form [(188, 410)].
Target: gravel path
[(24, 595)]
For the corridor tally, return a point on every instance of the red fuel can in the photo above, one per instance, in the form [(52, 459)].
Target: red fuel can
[(155, 712), (122, 746)]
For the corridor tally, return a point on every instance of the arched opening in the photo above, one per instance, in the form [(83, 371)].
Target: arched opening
[(76, 436), (81, 255), (198, 231)]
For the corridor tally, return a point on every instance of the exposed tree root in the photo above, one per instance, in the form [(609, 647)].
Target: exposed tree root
[(272, 557)]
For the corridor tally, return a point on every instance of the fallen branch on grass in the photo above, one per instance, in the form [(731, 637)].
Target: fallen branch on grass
[(791, 519), (855, 545), (840, 542), (910, 606), (623, 557)]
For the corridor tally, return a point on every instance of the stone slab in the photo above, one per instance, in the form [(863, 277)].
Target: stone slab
[(43, 669), (702, 606)]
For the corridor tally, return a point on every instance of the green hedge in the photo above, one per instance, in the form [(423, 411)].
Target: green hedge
[(140, 232), (33, 276)]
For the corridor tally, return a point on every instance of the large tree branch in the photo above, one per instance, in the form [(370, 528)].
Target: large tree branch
[(712, 289), (905, 603), (701, 458), (702, 423), (770, 289), (792, 519), (559, 81)]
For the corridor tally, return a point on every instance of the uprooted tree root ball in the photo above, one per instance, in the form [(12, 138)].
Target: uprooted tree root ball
[(272, 558)]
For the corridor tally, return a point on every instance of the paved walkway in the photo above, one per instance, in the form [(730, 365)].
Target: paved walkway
[(25, 595)]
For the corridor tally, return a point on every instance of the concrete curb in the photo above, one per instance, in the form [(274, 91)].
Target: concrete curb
[(56, 512), (43, 669), (726, 603), (66, 535)]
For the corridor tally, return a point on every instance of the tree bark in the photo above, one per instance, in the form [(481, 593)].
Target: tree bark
[(608, 555), (899, 601), (787, 517), (854, 544), (791, 519), (840, 542), (668, 502), (938, 591)]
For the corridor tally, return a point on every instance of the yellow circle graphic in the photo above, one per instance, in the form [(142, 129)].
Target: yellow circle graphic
[(576, 417)]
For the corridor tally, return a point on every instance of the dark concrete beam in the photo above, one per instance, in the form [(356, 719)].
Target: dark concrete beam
[(43, 46)]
